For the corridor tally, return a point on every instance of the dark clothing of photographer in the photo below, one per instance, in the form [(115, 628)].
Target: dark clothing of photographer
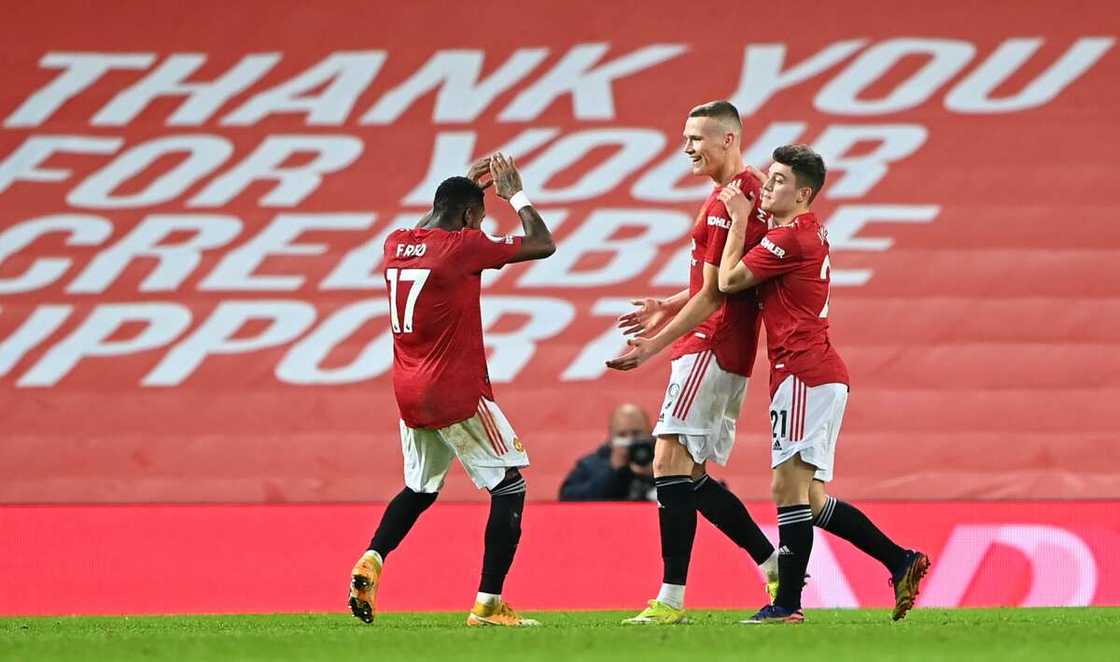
[(594, 479)]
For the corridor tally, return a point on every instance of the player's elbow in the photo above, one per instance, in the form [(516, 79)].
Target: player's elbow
[(541, 247), (727, 283), (545, 247)]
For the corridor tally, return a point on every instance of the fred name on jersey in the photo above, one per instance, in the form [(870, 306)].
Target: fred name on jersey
[(411, 250)]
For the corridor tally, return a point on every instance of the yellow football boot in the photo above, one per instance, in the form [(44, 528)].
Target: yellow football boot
[(364, 581), (772, 585), (658, 613), (497, 613)]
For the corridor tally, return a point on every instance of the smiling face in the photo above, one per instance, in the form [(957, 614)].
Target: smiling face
[(796, 176), (707, 143), (780, 195)]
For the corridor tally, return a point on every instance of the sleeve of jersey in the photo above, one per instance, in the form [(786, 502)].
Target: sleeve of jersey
[(717, 238), (717, 233), (485, 251), (777, 254)]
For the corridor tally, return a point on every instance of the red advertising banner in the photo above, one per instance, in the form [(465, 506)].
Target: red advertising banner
[(193, 205), (203, 559)]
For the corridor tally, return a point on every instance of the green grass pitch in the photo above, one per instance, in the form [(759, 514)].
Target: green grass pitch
[(1002, 635)]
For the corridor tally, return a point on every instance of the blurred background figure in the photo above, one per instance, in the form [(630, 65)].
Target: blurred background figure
[(622, 468)]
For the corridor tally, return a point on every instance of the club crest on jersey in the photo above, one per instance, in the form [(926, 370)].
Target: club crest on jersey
[(777, 250), (411, 250), (504, 239), (720, 221)]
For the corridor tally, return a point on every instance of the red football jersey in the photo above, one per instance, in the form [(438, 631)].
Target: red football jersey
[(433, 279), (795, 306), (731, 333)]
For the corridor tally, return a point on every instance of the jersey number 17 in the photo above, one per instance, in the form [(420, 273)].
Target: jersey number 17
[(417, 277)]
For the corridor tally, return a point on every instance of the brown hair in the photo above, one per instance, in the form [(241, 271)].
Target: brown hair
[(721, 110), (808, 166)]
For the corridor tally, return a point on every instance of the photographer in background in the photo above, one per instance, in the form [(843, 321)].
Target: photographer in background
[(622, 468)]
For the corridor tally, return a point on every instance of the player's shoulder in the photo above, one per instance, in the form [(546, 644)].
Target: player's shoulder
[(400, 235), (473, 235), (792, 238), (810, 230), (805, 236), (747, 181)]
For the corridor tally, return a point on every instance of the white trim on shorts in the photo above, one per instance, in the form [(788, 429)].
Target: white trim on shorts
[(485, 445), (805, 420), (701, 406)]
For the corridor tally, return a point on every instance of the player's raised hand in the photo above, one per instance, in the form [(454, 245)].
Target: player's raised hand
[(738, 205), (641, 349), (507, 180), (479, 171), (647, 320)]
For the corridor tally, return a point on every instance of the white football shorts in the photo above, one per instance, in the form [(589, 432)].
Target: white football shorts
[(485, 444), (701, 406), (806, 420)]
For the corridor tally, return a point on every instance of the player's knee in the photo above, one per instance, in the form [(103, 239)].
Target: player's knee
[(671, 459), (422, 500), (818, 497), (786, 490), (513, 483), (662, 467), (777, 488)]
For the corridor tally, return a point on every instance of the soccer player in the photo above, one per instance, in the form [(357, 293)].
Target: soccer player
[(808, 380), (712, 340), (447, 407)]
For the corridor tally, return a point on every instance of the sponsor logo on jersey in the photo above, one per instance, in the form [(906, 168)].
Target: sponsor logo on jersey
[(720, 221), (773, 248)]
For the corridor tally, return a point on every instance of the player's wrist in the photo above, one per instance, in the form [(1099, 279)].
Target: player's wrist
[(519, 201), (657, 343)]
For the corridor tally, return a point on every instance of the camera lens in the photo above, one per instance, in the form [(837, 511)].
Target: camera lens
[(641, 453)]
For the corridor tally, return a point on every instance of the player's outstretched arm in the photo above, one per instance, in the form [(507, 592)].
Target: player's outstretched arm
[(734, 276), (695, 311), (537, 243)]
